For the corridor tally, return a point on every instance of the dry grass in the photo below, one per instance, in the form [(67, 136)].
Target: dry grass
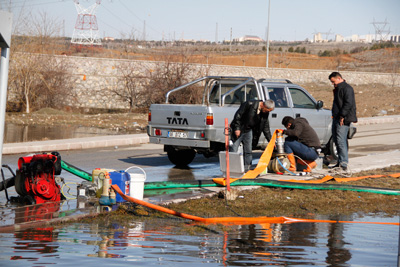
[(266, 201)]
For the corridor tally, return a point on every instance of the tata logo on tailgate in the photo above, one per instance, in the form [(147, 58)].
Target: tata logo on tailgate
[(178, 121)]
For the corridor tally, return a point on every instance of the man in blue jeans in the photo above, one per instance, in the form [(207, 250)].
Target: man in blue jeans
[(343, 113), (302, 141), (249, 121)]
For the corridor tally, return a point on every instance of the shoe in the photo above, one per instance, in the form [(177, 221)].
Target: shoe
[(334, 166), (247, 168), (311, 165), (292, 161)]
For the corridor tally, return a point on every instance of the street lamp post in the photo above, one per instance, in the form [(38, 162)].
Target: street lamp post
[(269, 8)]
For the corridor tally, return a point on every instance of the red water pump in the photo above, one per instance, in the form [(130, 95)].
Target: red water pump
[(35, 181)]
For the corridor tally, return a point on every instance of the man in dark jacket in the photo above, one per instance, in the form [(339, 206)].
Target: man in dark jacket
[(343, 113), (249, 121), (302, 141)]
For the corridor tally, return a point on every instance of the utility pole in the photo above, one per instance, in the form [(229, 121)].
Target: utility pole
[(269, 8), (144, 31), (86, 31), (216, 33), (230, 43)]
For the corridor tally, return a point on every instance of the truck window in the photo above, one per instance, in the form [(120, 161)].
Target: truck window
[(279, 96), (301, 99), (248, 92)]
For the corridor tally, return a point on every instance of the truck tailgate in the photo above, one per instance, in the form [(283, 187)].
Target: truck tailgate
[(179, 125)]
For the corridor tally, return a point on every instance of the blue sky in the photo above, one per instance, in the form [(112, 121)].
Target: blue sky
[(176, 19)]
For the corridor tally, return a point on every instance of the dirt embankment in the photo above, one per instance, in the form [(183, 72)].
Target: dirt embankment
[(371, 99), (121, 122)]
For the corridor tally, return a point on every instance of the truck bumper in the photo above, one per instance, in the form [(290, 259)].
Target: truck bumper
[(180, 142)]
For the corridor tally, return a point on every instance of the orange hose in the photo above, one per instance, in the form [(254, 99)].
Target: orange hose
[(261, 165), (264, 159), (156, 207), (230, 220)]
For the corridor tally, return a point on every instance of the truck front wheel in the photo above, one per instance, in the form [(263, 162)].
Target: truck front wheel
[(181, 158)]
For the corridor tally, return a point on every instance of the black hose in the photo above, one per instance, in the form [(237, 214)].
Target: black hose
[(6, 183)]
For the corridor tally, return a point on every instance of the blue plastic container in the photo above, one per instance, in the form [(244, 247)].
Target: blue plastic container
[(123, 180)]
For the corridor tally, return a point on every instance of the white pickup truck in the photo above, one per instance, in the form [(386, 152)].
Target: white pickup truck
[(187, 129)]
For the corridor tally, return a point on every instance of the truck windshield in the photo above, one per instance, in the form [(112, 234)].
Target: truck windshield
[(279, 96), (300, 99), (245, 93)]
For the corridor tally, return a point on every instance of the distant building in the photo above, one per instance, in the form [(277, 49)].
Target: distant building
[(368, 38), (395, 38), (318, 38), (251, 38), (354, 38), (108, 38), (339, 38)]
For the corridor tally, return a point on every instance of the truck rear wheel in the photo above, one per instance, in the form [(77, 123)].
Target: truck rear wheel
[(181, 158)]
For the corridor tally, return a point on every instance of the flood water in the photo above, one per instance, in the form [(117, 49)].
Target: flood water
[(14, 133), (161, 242)]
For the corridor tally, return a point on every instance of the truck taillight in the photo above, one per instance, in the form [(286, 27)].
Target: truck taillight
[(149, 116), (157, 132), (210, 119)]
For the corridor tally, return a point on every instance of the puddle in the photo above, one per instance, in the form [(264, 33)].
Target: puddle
[(14, 133), (146, 243)]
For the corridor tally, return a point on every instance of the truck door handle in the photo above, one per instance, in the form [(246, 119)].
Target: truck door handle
[(274, 115), (297, 115)]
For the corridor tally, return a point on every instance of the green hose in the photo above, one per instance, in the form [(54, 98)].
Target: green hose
[(185, 184), (76, 171), (242, 182), (271, 183)]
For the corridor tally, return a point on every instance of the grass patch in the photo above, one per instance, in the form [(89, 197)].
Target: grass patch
[(274, 202)]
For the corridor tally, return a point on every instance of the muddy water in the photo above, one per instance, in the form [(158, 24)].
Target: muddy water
[(14, 133), (146, 244)]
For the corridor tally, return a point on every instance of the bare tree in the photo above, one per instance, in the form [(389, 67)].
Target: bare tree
[(37, 33), (142, 85), (171, 72), (130, 84), (38, 81)]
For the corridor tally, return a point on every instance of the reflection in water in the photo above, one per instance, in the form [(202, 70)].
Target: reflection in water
[(179, 174), (43, 235), (14, 133), (162, 242), (337, 254)]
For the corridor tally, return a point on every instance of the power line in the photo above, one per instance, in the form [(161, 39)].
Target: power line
[(141, 20), (28, 4)]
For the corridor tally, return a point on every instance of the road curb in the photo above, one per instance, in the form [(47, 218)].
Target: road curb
[(378, 119), (75, 143)]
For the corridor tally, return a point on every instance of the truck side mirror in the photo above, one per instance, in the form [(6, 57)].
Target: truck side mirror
[(319, 104)]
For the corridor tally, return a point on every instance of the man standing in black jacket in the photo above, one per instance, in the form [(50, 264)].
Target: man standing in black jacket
[(249, 121), (343, 113)]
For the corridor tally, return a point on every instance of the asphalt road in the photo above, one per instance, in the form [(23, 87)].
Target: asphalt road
[(375, 139), (373, 142)]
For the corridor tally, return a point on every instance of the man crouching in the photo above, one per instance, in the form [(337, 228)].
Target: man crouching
[(302, 141)]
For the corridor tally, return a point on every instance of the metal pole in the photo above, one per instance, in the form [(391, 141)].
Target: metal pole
[(269, 8), (3, 94), (398, 250), (228, 182)]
